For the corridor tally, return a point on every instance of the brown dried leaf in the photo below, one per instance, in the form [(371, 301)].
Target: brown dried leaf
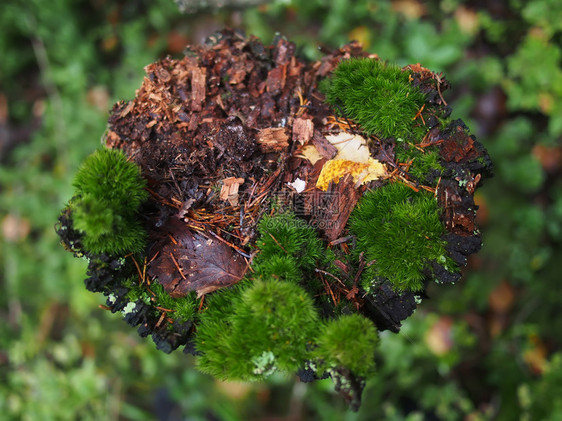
[(191, 262)]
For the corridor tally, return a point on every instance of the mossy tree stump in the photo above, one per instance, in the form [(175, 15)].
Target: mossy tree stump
[(269, 213)]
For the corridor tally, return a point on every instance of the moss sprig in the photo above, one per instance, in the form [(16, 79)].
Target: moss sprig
[(426, 166), (109, 193), (347, 342), (377, 96), (284, 234), (400, 231), (268, 328)]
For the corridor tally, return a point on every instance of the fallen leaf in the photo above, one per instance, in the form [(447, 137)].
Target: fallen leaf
[(311, 153), (550, 157), (362, 173), (467, 20), (15, 228), (361, 34), (192, 262), (535, 355), (351, 147), (501, 298), (411, 9), (439, 337)]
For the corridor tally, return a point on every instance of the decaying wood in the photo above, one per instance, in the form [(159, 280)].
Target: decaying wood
[(273, 139), (222, 131)]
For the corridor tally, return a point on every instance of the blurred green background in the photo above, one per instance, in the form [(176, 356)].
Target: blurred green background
[(487, 348)]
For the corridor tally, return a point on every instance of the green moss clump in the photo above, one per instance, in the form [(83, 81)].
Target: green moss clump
[(400, 231), (109, 192), (182, 309), (426, 164), (284, 234), (350, 342), (377, 96), (264, 329)]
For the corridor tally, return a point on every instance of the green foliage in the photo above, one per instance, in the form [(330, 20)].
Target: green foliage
[(278, 266), (183, 308), (109, 190), (401, 231), (535, 79), (349, 342), (285, 235), (269, 328), (424, 163), (545, 399), (378, 96)]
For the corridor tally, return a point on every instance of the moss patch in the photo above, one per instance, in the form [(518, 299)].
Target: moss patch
[(269, 329), (348, 342), (109, 192), (399, 230), (376, 95)]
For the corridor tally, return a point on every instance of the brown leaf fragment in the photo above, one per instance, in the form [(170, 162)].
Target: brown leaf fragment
[(195, 263), (325, 148), (334, 206), (303, 129), (273, 139), (198, 78), (229, 190)]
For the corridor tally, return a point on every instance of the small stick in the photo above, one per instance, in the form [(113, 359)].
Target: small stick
[(161, 319), (340, 240), (178, 266), (329, 274), (164, 309), (278, 243)]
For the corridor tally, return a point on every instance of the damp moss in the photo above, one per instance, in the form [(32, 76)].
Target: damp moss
[(399, 231), (284, 234), (376, 95), (268, 328), (426, 165), (347, 342), (109, 191), (181, 308)]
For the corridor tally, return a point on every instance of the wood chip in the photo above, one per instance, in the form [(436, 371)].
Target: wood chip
[(273, 139), (197, 88), (229, 190), (303, 129), (324, 148)]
